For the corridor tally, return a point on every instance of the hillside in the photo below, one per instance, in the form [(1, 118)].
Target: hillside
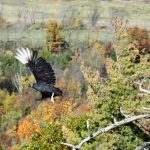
[(92, 60)]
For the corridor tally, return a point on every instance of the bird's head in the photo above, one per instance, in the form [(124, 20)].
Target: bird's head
[(58, 92)]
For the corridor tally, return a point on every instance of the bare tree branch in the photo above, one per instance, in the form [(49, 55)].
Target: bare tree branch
[(18, 81), (144, 146), (112, 126), (124, 113), (95, 14), (69, 145), (147, 91), (137, 123), (146, 108)]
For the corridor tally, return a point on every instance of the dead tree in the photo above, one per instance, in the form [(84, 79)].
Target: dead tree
[(18, 81), (94, 17), (116, 124)]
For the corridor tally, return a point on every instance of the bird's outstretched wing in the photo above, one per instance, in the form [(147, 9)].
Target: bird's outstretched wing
[(41, 69)]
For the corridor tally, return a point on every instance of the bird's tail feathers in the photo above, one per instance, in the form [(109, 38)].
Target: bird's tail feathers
[(24, 55)]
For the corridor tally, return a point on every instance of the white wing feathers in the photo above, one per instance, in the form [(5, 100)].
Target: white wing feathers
[(24, 55)]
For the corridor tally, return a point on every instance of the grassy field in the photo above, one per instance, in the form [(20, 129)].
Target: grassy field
[(138, 14)]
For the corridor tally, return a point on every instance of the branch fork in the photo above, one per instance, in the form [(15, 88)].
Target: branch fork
[(116, 124)]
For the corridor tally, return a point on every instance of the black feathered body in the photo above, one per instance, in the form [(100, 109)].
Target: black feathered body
[(42, 71), (47, 89)]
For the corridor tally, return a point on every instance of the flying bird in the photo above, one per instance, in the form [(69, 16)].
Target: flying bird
[(42, 71)]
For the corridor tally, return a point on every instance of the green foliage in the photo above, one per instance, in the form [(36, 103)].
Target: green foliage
[(9, 101), (75, 129), (127, 138), (61, 59), (8, 65), (115, 96), (50, 137), (108, 96), (8, 119), (64, 121)]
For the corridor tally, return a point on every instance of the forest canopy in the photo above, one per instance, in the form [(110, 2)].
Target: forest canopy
[(102, 69)]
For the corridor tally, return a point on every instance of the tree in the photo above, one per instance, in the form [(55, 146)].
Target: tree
[(55, 42)]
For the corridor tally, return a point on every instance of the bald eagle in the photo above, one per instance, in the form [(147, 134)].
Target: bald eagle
[(42, 71)]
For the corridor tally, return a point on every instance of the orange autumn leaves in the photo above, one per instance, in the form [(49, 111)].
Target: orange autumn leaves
[(52, 112), (27, 127), (45, 112)]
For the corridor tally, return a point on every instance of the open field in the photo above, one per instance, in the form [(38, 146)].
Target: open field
[(22, 17), (137, 13)]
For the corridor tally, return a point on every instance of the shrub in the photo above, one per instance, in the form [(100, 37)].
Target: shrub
[(9, 101), (60, 59), (140, 39), (49, 138), (71, 88), (52, 112), (54, 40), (107, 97), (27, 127)]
